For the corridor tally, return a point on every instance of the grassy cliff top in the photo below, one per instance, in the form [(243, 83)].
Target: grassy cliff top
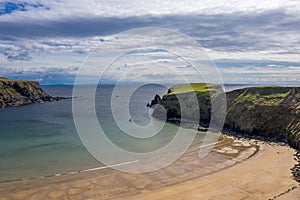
[(5, 81), (267, 95), (259, 95), (192, 87), (21, 92), (18, 81)]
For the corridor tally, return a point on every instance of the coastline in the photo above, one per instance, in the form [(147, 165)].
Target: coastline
[(185, 177)]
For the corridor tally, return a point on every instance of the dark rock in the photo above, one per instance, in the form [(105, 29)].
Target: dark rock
[(202, 129), (173, 109), (18, 92), (155, 101)]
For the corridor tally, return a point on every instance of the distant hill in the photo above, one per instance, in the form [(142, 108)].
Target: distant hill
[(20, 92)]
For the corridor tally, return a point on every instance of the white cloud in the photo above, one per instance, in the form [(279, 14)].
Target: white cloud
[(265, 74), (60, 34), (254, 55), (124, 8)]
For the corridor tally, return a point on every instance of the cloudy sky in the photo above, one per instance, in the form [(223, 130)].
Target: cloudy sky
[(250, 41)]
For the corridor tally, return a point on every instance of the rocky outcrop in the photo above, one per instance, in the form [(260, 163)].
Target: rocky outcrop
[(170, 107), (155, 101), (269, 112), (18, 92)]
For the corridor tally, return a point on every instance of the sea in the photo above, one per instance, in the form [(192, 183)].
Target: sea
[(41, 140)]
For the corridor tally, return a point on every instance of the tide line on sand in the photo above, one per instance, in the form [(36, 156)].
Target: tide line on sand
[(72, 172), (100, 168), (109, 166)]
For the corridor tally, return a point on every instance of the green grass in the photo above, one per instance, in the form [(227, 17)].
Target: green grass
[(192, 87), (21, 83), (270, 96), (18, 81)]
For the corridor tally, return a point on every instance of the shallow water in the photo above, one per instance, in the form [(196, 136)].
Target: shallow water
[(41, 140)]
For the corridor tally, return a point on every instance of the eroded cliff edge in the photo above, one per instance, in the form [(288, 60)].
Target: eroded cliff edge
[(19, 92), (270, 112)]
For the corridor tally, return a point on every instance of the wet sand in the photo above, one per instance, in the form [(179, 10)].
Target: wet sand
[(235, 169)]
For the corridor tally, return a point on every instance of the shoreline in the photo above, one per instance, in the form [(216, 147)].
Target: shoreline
[(91, 184), (67, 173), (295, 170), (96, 168)]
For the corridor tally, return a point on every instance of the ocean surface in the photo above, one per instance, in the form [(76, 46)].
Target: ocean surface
[(41, 139)]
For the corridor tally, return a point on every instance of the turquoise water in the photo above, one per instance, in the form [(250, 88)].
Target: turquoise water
[(41, 139)]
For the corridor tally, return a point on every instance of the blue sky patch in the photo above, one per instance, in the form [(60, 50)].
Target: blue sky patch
[(54, 44), (10, 7)]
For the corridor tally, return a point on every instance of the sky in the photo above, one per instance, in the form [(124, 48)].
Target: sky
[(249, 41)]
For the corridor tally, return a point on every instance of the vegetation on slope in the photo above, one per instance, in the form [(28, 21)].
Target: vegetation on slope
[(266, 111), (271, 96)]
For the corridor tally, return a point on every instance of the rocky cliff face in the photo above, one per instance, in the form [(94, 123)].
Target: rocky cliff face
[(17, 92), (272, 112)]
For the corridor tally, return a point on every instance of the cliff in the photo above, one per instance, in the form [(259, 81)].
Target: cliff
[(19, 92), (270, 112), (171, 105)]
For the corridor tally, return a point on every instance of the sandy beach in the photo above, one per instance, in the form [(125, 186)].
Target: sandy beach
[(265, 176), (235, 169)]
